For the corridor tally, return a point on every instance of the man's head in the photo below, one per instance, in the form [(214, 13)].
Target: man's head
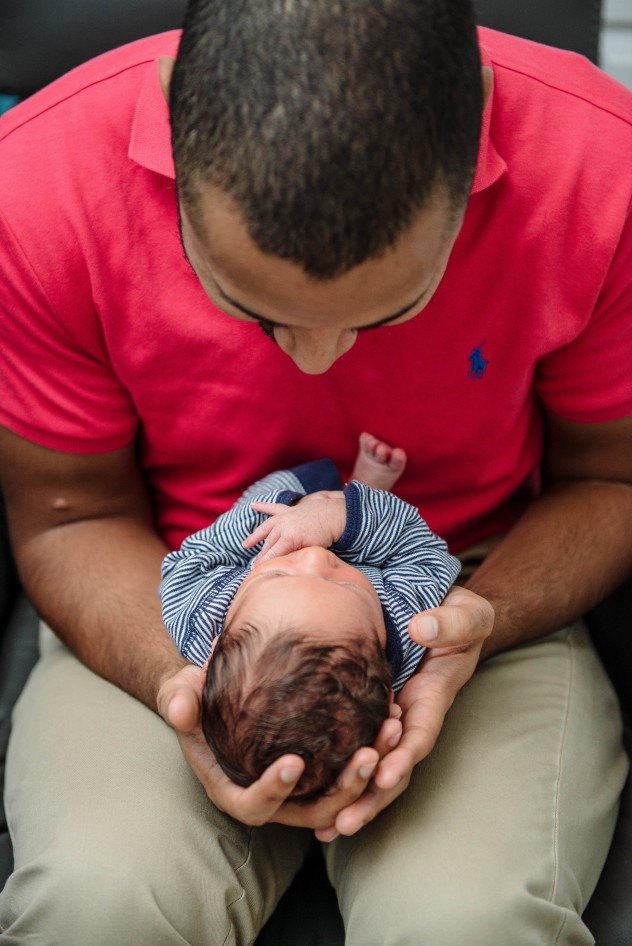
[(299, 668), (332, 142)]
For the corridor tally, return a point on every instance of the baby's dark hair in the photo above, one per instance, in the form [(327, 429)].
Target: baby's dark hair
[(266, 696)]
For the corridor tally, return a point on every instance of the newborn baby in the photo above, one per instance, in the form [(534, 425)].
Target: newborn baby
[(296, 602)]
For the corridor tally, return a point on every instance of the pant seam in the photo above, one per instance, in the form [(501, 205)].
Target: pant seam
[(558, 787), (561, 930), (231, 927)]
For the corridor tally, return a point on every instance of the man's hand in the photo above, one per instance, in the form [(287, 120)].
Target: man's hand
[(179, 701), (317, 519), (455, 633), (376, 775)]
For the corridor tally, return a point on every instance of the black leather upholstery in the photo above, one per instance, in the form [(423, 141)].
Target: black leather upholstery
[(569, 24), (39, 40), (12, 672), (18, 653), (609, 913), (42, 39)]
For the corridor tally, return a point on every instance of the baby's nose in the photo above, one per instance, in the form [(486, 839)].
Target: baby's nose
[(316, 560)]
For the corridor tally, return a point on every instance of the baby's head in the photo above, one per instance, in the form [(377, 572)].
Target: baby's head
[(299, 668)]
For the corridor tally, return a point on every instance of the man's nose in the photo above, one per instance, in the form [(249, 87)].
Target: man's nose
[(315, 350)]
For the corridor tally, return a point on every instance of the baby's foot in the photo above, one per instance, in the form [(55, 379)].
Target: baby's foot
[(377, 464)]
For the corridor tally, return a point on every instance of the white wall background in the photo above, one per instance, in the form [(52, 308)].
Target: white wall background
[(615, 53)]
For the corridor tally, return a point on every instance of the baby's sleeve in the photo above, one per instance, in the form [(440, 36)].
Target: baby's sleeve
[(200, 580), (411, 567), (385, 532)]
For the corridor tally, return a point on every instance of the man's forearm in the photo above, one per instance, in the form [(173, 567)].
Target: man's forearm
[(571, 547), (95, 582)]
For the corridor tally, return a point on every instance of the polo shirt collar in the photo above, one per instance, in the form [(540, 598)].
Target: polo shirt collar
[(490, 165), (150, 142)]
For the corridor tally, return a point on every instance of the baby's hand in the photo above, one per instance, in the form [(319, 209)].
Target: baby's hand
[(317, 519)]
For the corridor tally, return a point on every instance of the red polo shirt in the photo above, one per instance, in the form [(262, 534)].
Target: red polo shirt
[(106, 335)]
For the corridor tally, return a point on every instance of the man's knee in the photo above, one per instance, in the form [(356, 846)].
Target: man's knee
[(461, 919), (75, 900)]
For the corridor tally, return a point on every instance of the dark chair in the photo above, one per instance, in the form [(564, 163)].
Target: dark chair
[(41, 39)]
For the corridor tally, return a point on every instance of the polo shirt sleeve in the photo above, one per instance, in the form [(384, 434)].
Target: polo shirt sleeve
[(58, 387), (590, 379)]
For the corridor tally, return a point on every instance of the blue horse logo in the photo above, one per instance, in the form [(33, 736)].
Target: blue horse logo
[(478, 364)]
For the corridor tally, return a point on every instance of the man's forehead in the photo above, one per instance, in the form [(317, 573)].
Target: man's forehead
[(264, 287)]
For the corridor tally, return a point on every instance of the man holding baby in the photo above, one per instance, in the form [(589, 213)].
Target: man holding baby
[(383, 222)]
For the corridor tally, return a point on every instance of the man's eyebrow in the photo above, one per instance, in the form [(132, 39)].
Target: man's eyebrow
[(359, 328)]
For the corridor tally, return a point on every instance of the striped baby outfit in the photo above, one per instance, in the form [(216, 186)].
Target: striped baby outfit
[(385, 538)]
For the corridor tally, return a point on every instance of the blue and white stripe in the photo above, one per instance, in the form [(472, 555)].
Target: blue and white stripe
[(409, 566), (201, 579), (385, 538)]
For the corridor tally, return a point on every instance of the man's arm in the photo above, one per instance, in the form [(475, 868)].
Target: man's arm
[(573, 545), (569, 549), (89, 558)]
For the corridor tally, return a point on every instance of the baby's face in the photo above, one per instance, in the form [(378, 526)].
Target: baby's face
[(313, 587)]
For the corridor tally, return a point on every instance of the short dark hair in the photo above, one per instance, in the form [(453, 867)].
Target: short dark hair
[(267, 696), (329, 123)]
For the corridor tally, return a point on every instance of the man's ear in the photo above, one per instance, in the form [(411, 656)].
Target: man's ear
[(488, 84), (165, 71)]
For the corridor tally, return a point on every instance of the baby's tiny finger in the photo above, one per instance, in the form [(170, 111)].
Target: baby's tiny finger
[(268, 550), (257, 535), (269, 509)]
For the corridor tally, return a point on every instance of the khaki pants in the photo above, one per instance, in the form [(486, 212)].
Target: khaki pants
[(498, 841)]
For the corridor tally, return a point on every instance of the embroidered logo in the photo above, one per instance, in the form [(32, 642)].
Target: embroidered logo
[(478, 364)]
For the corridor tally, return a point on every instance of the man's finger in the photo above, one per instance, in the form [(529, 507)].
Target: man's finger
[(390, 780), (260, 802), (463, 619), (183, 710), (322, 813), (389, 735), (179, 699), (367, 807)]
